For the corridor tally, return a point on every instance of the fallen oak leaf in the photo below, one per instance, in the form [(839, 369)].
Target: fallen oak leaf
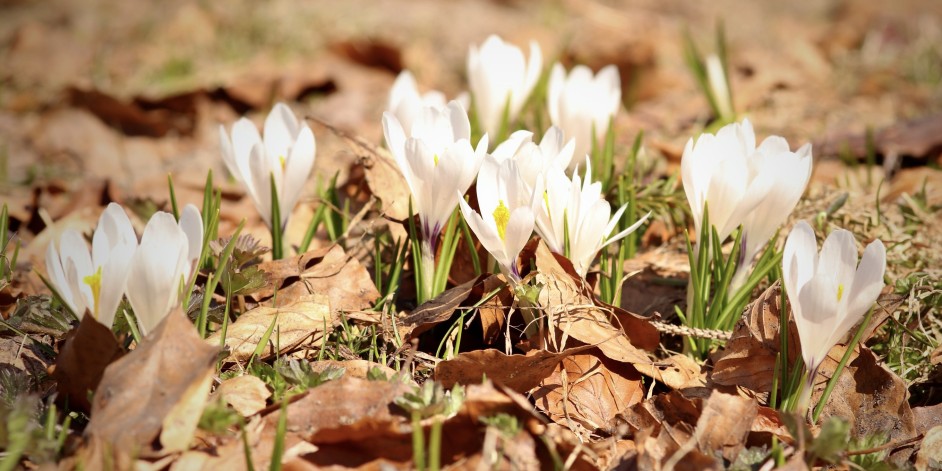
[(156, 391), (520, 373), (567, 288), (749, 358), (383, 176), (677, 371), (724, 423), (571, 313), (306, 319), (246, 394), (589, 389), (86, 353), (329, 271)]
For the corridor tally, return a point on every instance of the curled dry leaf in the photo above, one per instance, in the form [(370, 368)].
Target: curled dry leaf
[(88, 350), (438, 310), (672, 447), (148, 402), (588, 389), (354, 424), (724, 423), (382, 174), (677, 372), (870, 396), (750, 355), (305, 320), (520, 373), (246, 394), (329, 272), (572, 311)]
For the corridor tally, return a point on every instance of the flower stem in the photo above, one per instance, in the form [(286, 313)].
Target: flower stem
[(427, 266), (277, 239)]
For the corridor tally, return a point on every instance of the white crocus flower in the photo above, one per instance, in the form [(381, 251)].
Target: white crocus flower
[(580, 102), (506, 220), (287, 152), (742, 184), (405, 101), (436, 160), (94, 282), (790, 172), (829, 293), (163, 264), (534, 160), (575, 209), (501, 79)]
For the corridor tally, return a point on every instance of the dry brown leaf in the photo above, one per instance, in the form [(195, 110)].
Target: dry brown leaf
[(767, 424), (305, 320), (347, 409), (672, 447), (677, 372), (927, 417), (158, 390), (329, 272), (246, 394), (930, 450), (870, 396), (88, 350), (724, 424), (589, 389), (748, 360), (520, 373), (572, 312), (355, 425), (440, 309), (382, 174)]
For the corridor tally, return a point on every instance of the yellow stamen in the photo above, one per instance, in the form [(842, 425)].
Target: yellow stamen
[(282, 159), (840, 291), (546, 201), (94, 282), (435, 157), (501, 217)]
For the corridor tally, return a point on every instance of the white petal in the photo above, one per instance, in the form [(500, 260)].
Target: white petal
[(228, 154), (156, 270), (57, 278), (245, 136), (819, 311), (868, 280), (297, 170), (839, 257), (191, 223), (260, 188), (281, 129), (799, 260), (77, 264)]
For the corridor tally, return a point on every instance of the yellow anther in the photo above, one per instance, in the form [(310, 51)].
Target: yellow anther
[(501, 218), (435, 158), (282, 160), (840, 291), (94, 282)]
